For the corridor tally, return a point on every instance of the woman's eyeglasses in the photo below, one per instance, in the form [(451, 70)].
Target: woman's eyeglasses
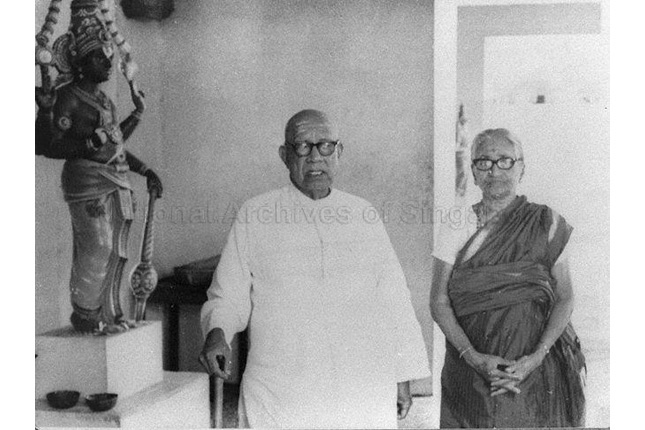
[(324, 148), (503, 163)]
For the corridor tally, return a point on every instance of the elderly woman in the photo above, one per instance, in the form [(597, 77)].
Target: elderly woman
[(502, 295)]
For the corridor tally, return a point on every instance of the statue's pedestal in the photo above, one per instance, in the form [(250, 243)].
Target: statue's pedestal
[(128, 364), (122, 363), (179, 401)]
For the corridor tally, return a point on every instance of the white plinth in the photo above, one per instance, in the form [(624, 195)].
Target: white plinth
[(122, 363), (180, 401)]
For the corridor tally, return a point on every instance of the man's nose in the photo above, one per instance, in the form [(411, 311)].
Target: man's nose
[(495, 170), (314, 155)]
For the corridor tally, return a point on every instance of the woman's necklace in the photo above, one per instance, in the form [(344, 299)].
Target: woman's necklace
[(483, 214)]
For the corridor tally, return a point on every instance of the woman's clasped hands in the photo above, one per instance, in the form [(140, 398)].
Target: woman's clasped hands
[(503, 375), (506, 377)]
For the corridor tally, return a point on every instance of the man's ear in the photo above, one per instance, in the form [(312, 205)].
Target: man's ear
[(339, 149), (282, 150)]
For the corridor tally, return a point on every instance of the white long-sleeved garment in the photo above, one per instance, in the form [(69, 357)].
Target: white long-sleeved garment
[(331, 326)]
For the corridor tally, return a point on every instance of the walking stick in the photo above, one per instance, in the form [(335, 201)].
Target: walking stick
[(144, 277), (218, 398)]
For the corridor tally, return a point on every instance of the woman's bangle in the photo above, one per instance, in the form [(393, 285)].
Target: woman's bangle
[(544, 349), (461, 354)]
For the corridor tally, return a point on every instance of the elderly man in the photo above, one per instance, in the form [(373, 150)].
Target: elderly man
[(334, 340)]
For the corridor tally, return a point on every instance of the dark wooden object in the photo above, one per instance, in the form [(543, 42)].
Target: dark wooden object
[(171, 295)]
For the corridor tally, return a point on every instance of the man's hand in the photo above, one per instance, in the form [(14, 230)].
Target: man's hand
[(403, 399), (137, 97), (153, 182), (216, 349)]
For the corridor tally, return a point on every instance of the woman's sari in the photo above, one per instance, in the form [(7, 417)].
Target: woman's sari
[(502, 291)]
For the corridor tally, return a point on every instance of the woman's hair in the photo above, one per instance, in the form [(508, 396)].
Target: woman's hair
[(497, 134)]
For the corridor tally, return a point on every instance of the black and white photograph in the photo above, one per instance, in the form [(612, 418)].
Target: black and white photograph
[(323, 214)]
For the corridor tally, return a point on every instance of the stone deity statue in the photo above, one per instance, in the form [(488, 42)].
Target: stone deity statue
[(78, 122)]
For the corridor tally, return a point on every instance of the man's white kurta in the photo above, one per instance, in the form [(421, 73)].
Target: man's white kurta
[(331, 326)]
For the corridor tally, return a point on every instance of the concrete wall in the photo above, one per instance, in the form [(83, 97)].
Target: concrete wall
[(221, 79)]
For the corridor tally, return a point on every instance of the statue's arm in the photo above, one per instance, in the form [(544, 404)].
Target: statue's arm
[(44, 119), (152, 179), (136, 165), (44, 130), (129, 124)]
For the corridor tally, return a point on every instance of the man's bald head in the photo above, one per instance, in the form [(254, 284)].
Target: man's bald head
[(308, 119), (311, 171)]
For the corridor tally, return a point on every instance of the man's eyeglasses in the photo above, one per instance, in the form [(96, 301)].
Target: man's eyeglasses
[(503, 163), (324, 148)]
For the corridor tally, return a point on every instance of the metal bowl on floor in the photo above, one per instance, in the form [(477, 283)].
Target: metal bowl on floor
[(101, 401), (62, 399)]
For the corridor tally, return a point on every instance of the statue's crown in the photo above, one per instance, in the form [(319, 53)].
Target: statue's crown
[(88, 27)]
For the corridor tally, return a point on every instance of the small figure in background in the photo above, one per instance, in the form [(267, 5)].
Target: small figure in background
[(462, 140)]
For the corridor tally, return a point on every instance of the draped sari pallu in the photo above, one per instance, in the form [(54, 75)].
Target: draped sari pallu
[(502, 295)]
